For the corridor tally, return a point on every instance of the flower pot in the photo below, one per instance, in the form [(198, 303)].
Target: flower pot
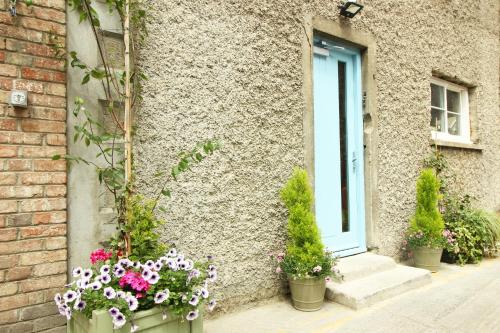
[(148, 321), (307, 294), (427, 258)]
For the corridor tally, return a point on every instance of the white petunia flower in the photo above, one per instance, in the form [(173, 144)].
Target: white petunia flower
[(105, 269), (119, 272), (192, 315), (96, 285), (160, 297), (211, 305), (158, 265), (133, 303), (146, 274), (105, 279), (155, 277), (77, 271), (119, 320), (204, 293), (87, 274), (172, 252), (212, 276), (189, 264), (109, 293), (70, 296), (58, 299), (124, 262), (80, 305), (194, 300), (113, 312)]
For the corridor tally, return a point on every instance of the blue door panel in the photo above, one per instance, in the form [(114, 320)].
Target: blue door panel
[(327, 148)]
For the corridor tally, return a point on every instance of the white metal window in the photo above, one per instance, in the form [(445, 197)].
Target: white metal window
[(449, 111)]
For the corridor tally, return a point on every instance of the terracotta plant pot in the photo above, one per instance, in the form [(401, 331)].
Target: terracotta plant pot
[(148, 321), (307, 294), (427, 258)]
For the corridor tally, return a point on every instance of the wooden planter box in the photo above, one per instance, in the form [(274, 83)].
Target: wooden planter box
[(149, 321)]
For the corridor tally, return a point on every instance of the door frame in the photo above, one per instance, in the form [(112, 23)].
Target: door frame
[(344, 33)]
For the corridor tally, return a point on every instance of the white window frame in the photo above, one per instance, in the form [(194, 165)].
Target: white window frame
[(464, 136)]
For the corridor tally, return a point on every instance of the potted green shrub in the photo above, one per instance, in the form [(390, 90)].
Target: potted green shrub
[(306, 264), (426, 236)]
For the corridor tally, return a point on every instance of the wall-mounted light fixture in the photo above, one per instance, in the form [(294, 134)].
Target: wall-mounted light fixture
[(350, 9)]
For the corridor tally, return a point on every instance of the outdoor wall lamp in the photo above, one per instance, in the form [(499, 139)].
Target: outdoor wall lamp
[(350, 9)]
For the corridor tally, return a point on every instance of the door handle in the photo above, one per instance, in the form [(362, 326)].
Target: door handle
[(354, 161)]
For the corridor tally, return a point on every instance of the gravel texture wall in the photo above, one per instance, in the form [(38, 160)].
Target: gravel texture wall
[(233, 70)]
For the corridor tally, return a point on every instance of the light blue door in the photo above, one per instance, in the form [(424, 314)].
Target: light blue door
[(338, 147)]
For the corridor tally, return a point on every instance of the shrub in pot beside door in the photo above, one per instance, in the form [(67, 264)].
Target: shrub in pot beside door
[(426, 236), (306, 264)]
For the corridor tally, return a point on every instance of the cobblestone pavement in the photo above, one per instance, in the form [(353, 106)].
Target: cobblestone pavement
[(459, 300)]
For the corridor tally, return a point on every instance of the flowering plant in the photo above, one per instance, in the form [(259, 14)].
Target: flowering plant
[(174, 283), (420, 238), (325, 266)]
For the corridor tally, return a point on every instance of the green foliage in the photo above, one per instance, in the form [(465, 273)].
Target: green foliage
[(427, 218), (141, 226), (477, 232), (304, 248)]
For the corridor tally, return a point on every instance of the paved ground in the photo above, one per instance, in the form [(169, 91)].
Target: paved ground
[(459, 300)]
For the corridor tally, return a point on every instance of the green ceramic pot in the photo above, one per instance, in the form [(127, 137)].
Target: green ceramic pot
[(307, 294), (149, 321), (427, 258)]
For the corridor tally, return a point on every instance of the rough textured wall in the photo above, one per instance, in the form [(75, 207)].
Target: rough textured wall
[(233, 70), (32, 186)]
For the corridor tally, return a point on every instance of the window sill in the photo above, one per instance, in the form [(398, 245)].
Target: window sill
[(460, 145)]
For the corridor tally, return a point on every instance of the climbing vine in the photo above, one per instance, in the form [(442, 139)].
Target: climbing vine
[(122, 88)]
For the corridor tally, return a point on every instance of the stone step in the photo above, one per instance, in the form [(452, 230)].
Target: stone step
[(362, 265), (377, 287)]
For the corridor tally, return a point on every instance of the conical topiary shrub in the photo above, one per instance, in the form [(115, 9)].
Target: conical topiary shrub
[(306, 264), (427, 217), (425, 237), (304, 241)]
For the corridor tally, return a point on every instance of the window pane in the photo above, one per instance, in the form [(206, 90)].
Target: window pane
[(453, 101), (343, 147), (437, 120), (437, 96), (453, 123)]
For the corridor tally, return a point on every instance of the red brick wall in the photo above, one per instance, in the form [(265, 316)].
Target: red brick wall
[(32, 187)]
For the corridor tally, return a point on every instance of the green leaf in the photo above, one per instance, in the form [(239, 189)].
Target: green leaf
[(56, 157), (166, 193), (86, 79), (98, 74)]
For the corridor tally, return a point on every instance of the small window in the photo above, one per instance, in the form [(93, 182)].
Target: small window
[(449, 111)]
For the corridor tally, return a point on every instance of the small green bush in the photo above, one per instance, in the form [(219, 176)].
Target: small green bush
[(304, 240), (427, 218), (305, 255), (142, 226), (477, 232)]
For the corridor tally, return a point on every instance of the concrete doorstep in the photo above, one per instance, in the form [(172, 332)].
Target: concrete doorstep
[(459, 299), (369, 278)]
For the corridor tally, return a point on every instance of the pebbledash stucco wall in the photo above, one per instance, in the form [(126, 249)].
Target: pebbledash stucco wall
[(235, 70)]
